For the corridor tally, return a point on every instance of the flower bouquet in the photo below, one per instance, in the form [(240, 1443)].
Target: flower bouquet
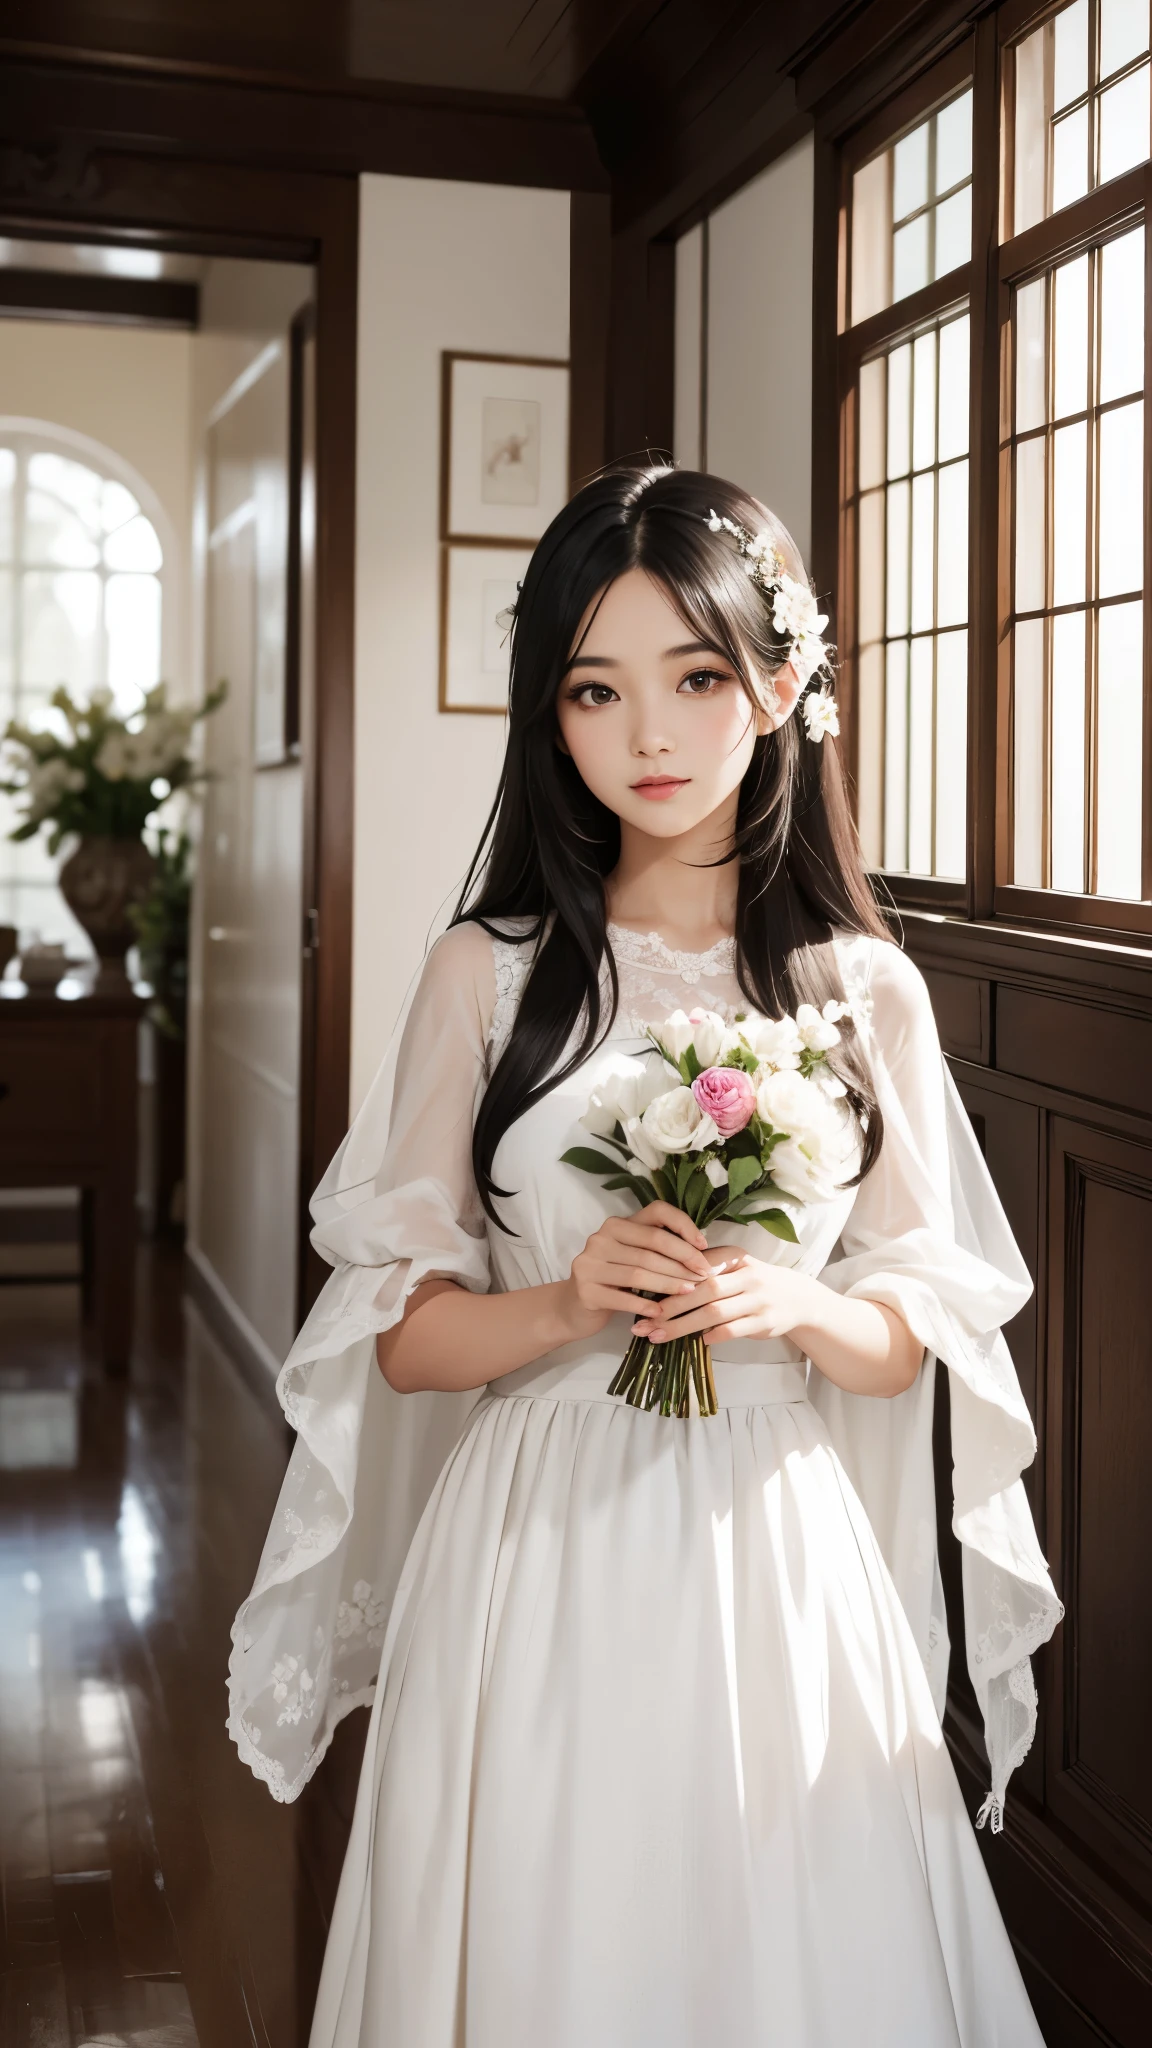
[(725, 1118)]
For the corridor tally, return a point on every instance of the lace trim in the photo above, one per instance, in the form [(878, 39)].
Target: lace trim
[(512, 963), (648, 949)]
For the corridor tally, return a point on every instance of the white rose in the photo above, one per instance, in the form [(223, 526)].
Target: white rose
[(673, 1122), (775, 1041), (114, 755), (816, 1154), (716, 1174), (643, 1150), (624, 1092), (676, 1034), (818, 1033), (710, 1036)]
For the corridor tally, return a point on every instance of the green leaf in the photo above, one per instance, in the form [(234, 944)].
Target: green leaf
[(745, 1145), (664, 1185), (775, 1221), (642, 1189), (589, 1161), (692, 1064), (684, 1172), (742, 1172), (696, 1194)]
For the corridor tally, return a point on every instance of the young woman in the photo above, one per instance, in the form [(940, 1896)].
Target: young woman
[(655, 1752)]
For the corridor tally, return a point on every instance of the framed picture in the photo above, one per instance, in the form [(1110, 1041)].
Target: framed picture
[(504, 447), (477, 582)]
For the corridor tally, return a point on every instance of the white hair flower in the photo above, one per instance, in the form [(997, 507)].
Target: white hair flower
[(821, 714), (796, 617)]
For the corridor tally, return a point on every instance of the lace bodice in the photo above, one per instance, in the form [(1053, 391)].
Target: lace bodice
[(655, 979)]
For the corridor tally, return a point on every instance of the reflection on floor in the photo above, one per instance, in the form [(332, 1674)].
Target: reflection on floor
[(153, 1893)]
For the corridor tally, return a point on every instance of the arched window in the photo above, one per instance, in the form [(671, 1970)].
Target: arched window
[(80, 603)]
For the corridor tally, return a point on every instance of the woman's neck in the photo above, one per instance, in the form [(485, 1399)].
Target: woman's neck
[(668, 886)]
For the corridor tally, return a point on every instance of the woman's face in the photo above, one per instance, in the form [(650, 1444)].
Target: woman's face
[(658, 723)]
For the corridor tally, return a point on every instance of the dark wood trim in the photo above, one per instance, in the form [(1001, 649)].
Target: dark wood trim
[(983, 464), (1108, 210), (244, 117), (920, 309), (104, 301), (642, 349), (590, 287)]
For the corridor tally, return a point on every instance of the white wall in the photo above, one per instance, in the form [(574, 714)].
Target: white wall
[(442, 266), (759, 341)]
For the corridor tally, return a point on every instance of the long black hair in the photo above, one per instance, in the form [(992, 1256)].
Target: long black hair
[(549, 844)]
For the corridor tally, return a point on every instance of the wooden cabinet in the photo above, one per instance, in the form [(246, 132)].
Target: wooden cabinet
[(68, 1099)]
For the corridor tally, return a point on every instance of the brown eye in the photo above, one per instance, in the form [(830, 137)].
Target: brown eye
[(702, 682), (592, 693)]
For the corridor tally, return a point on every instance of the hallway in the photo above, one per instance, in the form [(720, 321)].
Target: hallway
[(149, 1882)]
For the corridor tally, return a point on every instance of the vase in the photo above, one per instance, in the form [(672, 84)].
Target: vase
[(99, 882)]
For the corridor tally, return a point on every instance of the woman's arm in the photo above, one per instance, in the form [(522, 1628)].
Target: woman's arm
[(450, 1340), (859, 1345)]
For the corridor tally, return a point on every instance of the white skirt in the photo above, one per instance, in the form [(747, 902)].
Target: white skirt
[(653, 1761)]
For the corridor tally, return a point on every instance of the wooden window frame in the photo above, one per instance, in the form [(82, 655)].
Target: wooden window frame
[(983, 59), (909, 316)]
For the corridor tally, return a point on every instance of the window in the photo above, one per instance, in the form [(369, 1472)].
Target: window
[(1000, 590), (905, 375), (1080, 106), (80, 603), (1078, 572)]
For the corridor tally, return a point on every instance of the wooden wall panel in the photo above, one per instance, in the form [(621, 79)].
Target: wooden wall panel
[(1052, 1052)]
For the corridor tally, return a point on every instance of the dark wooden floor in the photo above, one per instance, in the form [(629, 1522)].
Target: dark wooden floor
[(153, 1893)]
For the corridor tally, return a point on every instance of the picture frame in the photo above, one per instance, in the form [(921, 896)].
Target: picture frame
[(477, 581), (503, 445)]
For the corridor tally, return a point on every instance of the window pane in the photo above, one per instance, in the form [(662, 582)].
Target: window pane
[(954, 346), (1069, 159), (1070, 56), (7, 503), (1031, 356), (1122, 500), (870, 752), (1030, 528), (1028, 754), (899, 411), (1123, 33), (78, 487), (923, 550), (952, 569), (1069, 513), (898, 560), (920, 759), (1123, 124), (1071, 337), (870, 572), (1029, 196), (61, 629), (954, 143), (1120, 672), (871, 238), (953, 232), (132, 616), (1122, 316), (910, 257), (924, 401), (55, 535), (896, 757), (117, 506), (1068, 752), (951, 752), (871, 402), (134, 546), (910, 173)]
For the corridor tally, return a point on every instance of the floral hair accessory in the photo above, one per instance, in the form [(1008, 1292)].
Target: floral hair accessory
[(794, 617)]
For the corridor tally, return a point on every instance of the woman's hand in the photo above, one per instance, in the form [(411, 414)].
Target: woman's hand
[(743, 1296), (862, 1346), (659, 1250)]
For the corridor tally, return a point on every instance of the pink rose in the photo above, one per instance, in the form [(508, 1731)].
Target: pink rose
[(726, 1095)]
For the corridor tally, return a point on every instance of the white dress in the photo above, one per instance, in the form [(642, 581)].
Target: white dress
[(654, 1758)]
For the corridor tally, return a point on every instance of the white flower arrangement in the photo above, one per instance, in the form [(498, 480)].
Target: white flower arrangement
[(728, 1117)]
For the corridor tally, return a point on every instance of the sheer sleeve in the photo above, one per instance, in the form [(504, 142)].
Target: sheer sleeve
[(397, 1206), (928, 1237)]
